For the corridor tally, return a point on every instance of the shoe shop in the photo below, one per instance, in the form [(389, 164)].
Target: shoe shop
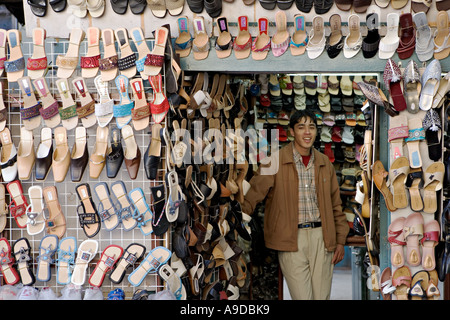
[(241, 150)]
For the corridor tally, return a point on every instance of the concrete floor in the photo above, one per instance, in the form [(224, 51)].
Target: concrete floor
[(341, 287)]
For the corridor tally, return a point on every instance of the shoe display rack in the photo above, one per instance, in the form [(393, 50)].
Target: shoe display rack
[(66, 189)]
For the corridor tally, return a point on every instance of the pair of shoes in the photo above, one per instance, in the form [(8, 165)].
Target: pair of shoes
[(320, 6), (121, 6), (80, 8)]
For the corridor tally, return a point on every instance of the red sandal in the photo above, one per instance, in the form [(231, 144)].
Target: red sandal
[(18, 205)]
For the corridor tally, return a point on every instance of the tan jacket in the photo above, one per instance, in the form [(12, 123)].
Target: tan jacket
[(279, 186)]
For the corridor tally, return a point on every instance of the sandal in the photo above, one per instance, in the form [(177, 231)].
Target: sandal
[(317, 40), (22, 252), (126, 207), (85, 253), (407, 41), (79, 156), (130, 256), (396, 238), (56, 221), (50, 107), (433, 178), (68, 111), (10, 275), (68, 63), (441, 36), (281, 39), (127, 61), (140, 114), (88, 217), (398, 173), (201, 44), (414, 182), (389, 43), (299, 39), (86, 110), (379, 175), (175, 198), (132, 153), (18, 205), (3, 208), (106, 208), (224, 41), (108, 65), (3, 39), (160, 223), (153, 154), (372, 40), (151, 264), (15, 66), (142, 48), (424, 38), (412, 86), (37, 63), (142, 212), (98, 157), (262, 42), (155, 59), (47, 250), (8, 153), (243, 42), (3, 110), (90, 62), (183, 43), (65, 259), (416, 133), (158, 8), (35, 211), (38, 7), (160, 105), (122, 111), (173, 281), (413, 233), (430, 84), (108, 259), (432, 126), (104, 110), (392, 79), (353, 41), (431, 235)]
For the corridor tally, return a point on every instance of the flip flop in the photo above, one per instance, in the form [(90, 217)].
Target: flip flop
[(433, 178), (140, 114), (130, 256), (105, 107), (35, 211), (86, 110), (65, 260), (127, 61), (431, 235), (151, 264), (183, 43), (15, 65), (122, 111), (56, 221), (201, 44), (108, 259), (398, 173), (401, 280), (22, 254), (85, 253), (125, 204), (106, 208), (142, 213), (37, 63), (416, 134), (155, 60), (89, 219), (50, 106), (47, 250), (108, 65), (68, 63), (90, 62), (379, 175), (10, 275), (68, 111), (142, 48), (29, 113)]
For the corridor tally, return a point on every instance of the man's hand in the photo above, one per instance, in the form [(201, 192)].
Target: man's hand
[(338, 254)]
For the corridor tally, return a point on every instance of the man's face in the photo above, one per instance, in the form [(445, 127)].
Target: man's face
[(304, 133)]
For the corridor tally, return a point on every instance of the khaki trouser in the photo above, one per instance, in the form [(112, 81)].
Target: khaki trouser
[(308, 271)]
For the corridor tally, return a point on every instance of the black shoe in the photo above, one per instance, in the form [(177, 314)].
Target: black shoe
[(115, 157), (44, 154)]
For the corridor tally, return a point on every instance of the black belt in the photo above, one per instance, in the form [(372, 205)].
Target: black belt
[(308, 225)]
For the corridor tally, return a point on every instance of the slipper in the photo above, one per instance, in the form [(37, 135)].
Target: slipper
[(127, 62), (126, 207), (175, 198), (155, 60), (200, 43), (90, 62), (173, 281), (183, 43), (142, 48), (299, 39), (50, 106), (386, 284), (108, 65), (158, 8), (224, 41), (262, 42), (430, 81), (160, 105), (140, 114), (379, 175), (38, 7), (85, 253), (344, 5), (68, 63), (130, 255), (106, 208), (104, 108), (420, 6), (416, 134), (424, 38), (35, 211), (15, 65), (37, 63), (412, 86), (10, 275), (413, 230), (432, 126), (18, 204), (86, 110), (414, 183), (444, 87), (392, 78), (122, 111), (96, 8), (120, 6), (396, 238), (174, 7), (22, 252), (401, 280), (3, 51), (398, 131), (56, 221), (353, 41), (243, 42), (151, 264), (66, 258), (270, 4), (78, 8), (142, 212), (389, 43), (88, 217), (433, 178), (47, 250), (431, 235), (213, 8), (108, 259), (441, 36), (68, 111)]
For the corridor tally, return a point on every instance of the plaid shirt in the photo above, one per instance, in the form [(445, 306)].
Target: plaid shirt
[(308, 209)]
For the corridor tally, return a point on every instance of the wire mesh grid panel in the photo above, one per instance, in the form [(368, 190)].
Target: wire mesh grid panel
[(67, 195)]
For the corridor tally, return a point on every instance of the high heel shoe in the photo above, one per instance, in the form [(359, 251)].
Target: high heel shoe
[(8, 161), (132, 153), (98, 157), (44, 154), (375, 95), (61, 156), (79, 155), (26, 156), (115, 155)]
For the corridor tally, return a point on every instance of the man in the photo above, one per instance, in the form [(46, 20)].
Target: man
[(303, 217)]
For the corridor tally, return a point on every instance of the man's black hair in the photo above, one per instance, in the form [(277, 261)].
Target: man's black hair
[(300, 114)]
